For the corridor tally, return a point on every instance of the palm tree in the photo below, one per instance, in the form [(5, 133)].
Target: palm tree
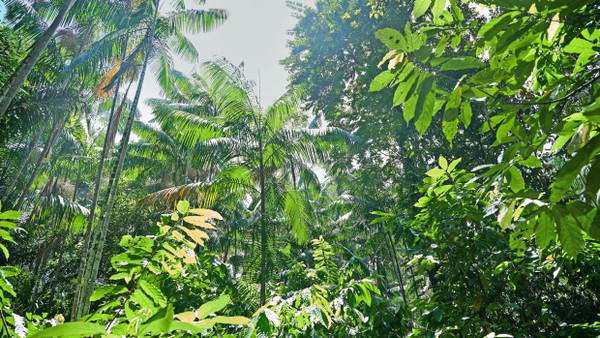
[(158, 34), (16, 80), (257, 142)]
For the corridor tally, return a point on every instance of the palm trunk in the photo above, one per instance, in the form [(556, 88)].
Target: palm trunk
[(56, 129), (176, 171), (186, 179), (263, 232), (11, 87), (29, 151), (395, 259), (108, 141), (96, 249), (77, 182)]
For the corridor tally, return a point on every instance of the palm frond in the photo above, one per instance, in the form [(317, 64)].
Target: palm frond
[(195, 20)]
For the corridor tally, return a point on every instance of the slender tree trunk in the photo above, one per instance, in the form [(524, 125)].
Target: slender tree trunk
[(186, 174), (56, 129), (29, 151), (78, 304), (263, 232), (176, 171), (395, 259), (77, 182), (96, 249), (11, 87)]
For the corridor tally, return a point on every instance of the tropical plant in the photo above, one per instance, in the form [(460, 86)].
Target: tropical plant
[(526, 92), (192, 20), (257, 143)]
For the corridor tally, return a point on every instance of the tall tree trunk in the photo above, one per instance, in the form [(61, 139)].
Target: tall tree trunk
[(57, 127), (77, 181), (263, 231), (176, 171), (186, 174), (395, 260), (76, 309), (97, 245), (28, 152), (13, 84)]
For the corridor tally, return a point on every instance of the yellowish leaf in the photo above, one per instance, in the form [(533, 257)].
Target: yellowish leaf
[(187, 317), (196, 235), (178, 236), (553, 28), (207, 213), (199, 221), (396, 60)]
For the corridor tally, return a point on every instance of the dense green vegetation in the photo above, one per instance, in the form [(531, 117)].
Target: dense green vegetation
[(432, 170)]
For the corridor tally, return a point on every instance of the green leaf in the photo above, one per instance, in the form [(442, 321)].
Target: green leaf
[(460, 63), (410, 105), (159, 322), (544, 230), (466, 113), (515, 179), (212, 306), (155, 294), (569, 232), (421, 6), (584, 214), (494, 26), (520, 236), (453, 164), (11, 214), (578, 46), (429, 108), (183, 207), (438, 8), (450, 128), (103, 290), (443, 162), (404, 88), (531, 162), (569, 172), (592, 183), (4, 251), (381, 81), (435, 173), (501, 267), (506, 215), (140, 298), (7, 225), (454, 98), (71, 329), (391, 38)]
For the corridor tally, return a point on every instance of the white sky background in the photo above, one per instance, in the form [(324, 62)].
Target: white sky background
[(255, 33)]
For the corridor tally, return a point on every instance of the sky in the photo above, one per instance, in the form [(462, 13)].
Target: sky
[(255, 33)]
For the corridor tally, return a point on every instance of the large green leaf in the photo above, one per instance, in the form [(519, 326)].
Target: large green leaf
[(569, 172), (392, 38), (545, 229), (159, 322), (569, 231), (421, 6), (592, 184), (515, 179), (11, 214), (381, 80), (460, 63), (212, 306), (73, 329)]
